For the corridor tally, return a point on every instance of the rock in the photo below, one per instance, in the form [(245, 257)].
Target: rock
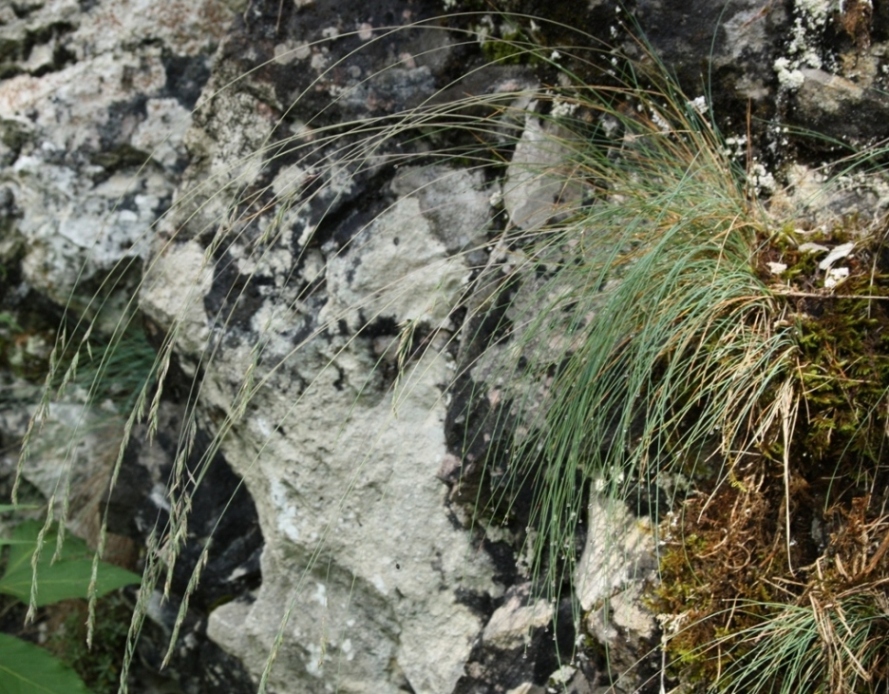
[(539, 186), (811, 198), (337, 450), (617, 566), (173, 291), (521, 647), (71, 459), (833, 105), (379, 585), (512, 623), (323, 275), (223, 515), (527, 688), (95, 100), (723, 49), (93, 126)]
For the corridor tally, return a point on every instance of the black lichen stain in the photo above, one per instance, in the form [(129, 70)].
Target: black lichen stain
[(186, 77)]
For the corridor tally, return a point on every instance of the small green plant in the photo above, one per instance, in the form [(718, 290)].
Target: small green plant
[(99, 666), (837, 643), (41, 571)]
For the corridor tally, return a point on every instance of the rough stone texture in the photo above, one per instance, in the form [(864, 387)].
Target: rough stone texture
[(222, 513), (811, 197), (726, 48), (522, 645), (341, 456), (512, 622), (95, 98), (343, 467), (826, 101), (71, 462), (57, 468), (817, 65), (349, 480), (94, 103), (537, 187), (618, 563)]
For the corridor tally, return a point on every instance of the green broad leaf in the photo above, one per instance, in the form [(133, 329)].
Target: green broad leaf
[(68, 577), (28, 669)]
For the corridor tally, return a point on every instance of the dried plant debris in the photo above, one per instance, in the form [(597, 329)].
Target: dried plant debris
[(774, 574)]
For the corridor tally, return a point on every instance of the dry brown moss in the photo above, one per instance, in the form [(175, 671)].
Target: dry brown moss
[(729, 569)]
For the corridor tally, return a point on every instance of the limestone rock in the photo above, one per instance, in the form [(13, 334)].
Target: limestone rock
[(538, 187), (322, 331), (95, 101), (725, 48), (523, 644), (342, 467), (831, 104), (512, 623), (618, 563)]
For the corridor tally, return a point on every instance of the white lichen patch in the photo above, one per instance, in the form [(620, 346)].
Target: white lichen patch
[(803, 50), (761, 179), (562, 108), (735, 147), (699, 104), (290, 180), (320, 59), (288, 52), (790, 77)]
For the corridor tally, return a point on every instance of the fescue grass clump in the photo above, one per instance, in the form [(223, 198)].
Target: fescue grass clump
[(668, 355), (720, 366)]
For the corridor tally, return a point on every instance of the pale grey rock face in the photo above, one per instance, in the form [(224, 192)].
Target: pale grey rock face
[(512, 623), (321, 326), (343, 469), (173, 292), (95, 98), (617, 566), (71, 461), (93, 109), (360, 550), (852, 110), (539, 185)]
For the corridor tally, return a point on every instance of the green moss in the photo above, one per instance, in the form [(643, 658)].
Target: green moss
[(506, 50), (713, 561), (729, 571)]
